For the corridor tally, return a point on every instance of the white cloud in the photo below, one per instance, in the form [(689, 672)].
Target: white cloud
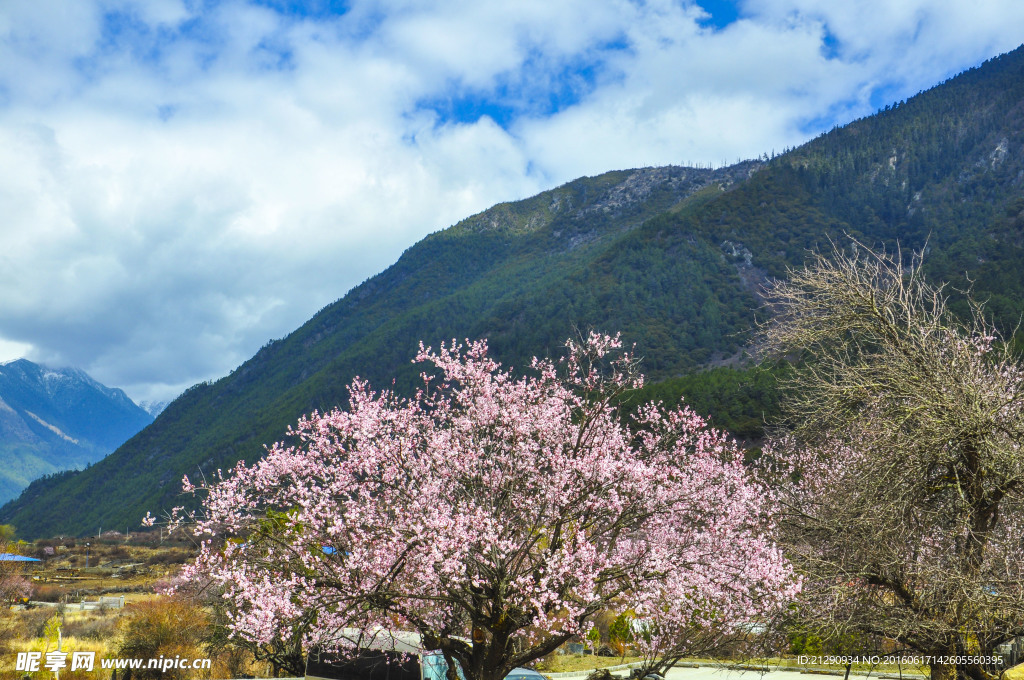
[(179, 187)]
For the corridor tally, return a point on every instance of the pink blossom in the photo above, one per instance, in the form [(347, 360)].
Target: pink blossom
[(516, 507)]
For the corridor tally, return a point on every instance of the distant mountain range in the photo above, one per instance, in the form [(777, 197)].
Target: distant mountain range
[(57, 419), (153, 408), (671, 257)]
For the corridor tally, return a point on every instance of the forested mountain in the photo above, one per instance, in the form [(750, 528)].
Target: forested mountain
[(671, 257), (57, 419)]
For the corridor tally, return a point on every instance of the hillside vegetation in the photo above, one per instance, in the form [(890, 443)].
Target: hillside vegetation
[(671, 257)]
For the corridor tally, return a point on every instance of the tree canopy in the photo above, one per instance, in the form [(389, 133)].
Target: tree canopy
[(903, 498), (496, 516)]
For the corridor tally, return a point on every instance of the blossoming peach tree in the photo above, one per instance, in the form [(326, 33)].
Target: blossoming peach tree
[(496, 516)]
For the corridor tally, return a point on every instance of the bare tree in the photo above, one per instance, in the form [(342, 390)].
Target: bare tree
[(902, 462)]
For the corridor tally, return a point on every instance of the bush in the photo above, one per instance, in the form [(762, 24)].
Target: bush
[(805, 644), (168, 626), (29, 623), (169, 557), (47, 593), (8, 633), (117, 552), (92, 628)]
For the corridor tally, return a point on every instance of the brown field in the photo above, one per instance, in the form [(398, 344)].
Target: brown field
[(132, 569)]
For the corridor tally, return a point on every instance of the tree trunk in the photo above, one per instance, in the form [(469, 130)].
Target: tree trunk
[(943, 671)]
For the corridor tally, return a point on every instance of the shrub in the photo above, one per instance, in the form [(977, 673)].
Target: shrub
[(168, 626), (92, 628), (48, 593)]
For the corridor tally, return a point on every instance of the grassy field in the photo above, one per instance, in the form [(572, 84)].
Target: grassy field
[(564, 663)]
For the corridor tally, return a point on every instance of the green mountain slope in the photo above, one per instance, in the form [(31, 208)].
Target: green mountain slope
[(672, 257)]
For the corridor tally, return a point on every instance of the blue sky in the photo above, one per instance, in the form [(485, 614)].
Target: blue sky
[(183, 180)]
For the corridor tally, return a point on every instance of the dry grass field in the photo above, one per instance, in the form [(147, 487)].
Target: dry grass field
[(134, 569), (563, 663)]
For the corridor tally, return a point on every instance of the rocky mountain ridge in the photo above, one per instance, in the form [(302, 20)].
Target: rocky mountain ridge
[(57, 419)]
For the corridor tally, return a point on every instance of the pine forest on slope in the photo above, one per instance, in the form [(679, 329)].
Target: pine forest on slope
[(671, 257)]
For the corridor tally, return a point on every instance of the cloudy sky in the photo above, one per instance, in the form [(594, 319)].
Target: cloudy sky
[(183, 180)]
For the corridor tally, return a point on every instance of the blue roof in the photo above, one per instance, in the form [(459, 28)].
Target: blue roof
[(12, 557)]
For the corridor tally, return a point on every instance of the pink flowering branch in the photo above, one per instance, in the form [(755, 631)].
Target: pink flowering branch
[(495, 515)]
